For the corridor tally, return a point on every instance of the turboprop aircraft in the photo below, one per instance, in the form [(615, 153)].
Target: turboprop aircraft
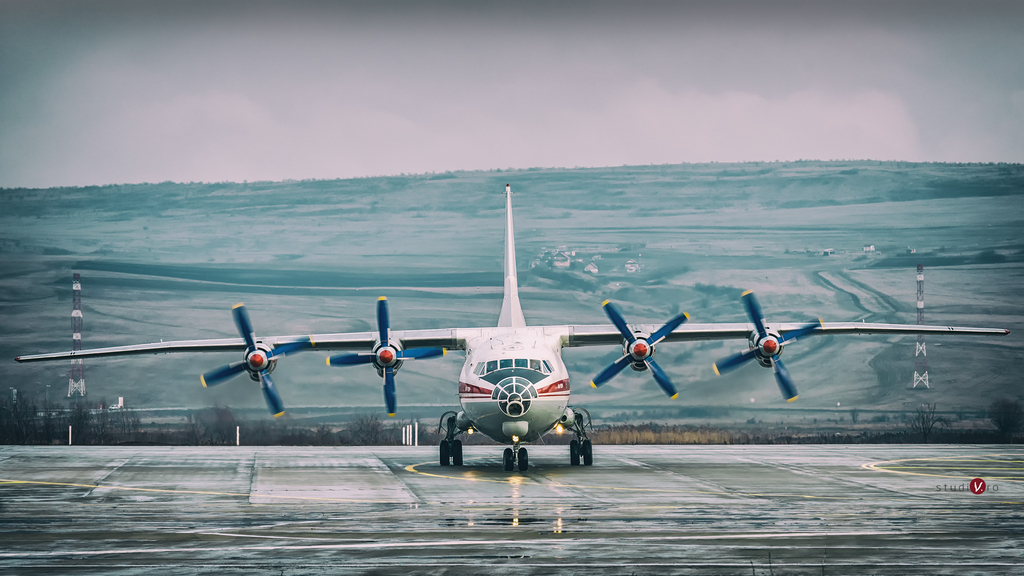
[(513, 387)]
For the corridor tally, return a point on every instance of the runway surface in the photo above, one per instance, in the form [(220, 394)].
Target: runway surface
[(639, 510)]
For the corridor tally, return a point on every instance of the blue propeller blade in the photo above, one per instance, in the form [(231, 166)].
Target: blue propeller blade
[(389, 391), (734, 361), (270, 394), (243, 324), (610, 371), (661, 378), (416, 353), (667, 329), (214, 377), (799, 332), (754, 311), (785, 382), (618, 320), (383, 322), (351, 359), (285, 349)]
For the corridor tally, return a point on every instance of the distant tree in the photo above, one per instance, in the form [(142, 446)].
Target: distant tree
[(1007, 416), (80, 420), (854, 415), (367, 430), (924, 421)]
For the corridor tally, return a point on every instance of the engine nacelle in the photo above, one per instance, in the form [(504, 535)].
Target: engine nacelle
[(568, 419)]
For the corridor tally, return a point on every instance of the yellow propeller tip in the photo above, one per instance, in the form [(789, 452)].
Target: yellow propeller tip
[(382, 298), (391, 415), (747, 292), (715, 368), (444, 351), (792, 399), (605, 303), (328, 360), (686, 315), (239, 305), (592, 384), (311, 342), (203, 380), (674, 396), (279, 414)]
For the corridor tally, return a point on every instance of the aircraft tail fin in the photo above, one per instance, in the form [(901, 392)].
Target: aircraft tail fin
[(511, 312)]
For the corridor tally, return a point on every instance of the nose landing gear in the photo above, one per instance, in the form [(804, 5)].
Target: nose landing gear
[(450, 448)]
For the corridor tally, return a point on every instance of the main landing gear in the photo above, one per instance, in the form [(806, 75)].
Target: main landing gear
[(581, 447), (451, 447)]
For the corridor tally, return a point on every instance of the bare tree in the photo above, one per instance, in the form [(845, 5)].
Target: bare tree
[(367, 430), (854, 415), (924, 421), (1007, 416)]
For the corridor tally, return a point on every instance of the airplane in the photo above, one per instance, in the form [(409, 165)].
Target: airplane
[(513, 387)]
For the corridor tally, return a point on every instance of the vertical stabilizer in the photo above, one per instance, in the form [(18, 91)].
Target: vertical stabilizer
[(511, 311)]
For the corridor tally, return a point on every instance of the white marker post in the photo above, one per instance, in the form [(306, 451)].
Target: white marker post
[(69, 435), (416, 433), (238, 436)]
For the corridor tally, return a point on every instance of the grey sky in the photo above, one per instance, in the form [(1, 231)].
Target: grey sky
[(105, 92)]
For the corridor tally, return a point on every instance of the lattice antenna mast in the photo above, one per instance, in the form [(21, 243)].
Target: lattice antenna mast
[(76, 384), (920, 353)]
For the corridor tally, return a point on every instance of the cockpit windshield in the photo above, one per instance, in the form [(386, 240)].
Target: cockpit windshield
[(484, 368)]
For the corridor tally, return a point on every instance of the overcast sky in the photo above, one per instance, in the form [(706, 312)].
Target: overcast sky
[(119, 92)]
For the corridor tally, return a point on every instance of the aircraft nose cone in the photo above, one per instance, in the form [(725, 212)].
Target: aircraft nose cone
[(387, 356), (640, 350), (770, 346), (257, 360)]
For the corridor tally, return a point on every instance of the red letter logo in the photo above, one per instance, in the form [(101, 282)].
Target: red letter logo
[(977, 485)]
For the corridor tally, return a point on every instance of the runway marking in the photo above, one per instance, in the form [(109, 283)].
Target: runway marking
[(9, 482), (517, 543), (883, 466), (517, 480)]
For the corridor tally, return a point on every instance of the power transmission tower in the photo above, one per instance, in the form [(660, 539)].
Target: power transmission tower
[(76, 384), (920, 352)]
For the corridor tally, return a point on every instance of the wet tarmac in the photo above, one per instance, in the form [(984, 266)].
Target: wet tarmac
[(639, 510)]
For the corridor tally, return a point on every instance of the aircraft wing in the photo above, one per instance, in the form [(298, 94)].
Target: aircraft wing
[(607, 334), (356, 341)]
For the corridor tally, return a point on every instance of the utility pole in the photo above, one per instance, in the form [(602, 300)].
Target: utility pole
[(76, 384)]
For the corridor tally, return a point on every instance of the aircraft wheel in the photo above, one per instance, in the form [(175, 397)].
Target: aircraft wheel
[(446, 453), (456, 452), (588, 452), (524, 460), (509, 460), (574, 453)]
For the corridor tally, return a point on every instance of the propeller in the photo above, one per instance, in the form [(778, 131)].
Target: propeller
[(386, 356), (639, 350), (259, 361), (766, 347)]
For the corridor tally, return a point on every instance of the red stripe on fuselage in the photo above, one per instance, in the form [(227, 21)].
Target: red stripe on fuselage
[(560, 387)]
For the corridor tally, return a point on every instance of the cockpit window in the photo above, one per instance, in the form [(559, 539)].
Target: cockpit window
[(542, 366)]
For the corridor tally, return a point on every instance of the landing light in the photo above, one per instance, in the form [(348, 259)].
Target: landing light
[(515, 438), (558, 428), (470, 431)]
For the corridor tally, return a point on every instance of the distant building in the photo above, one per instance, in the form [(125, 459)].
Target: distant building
[(561, 261), (870, 248), (632, 266), (592, 268), (828, 252), (911, 250)]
